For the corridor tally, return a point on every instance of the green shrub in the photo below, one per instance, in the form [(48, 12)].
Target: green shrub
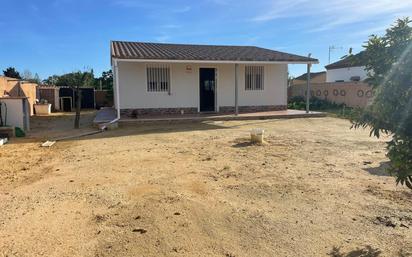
[(389, 63), (297, 103), (317, 104)]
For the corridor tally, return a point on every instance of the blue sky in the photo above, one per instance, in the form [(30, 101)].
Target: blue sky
[(58, 36)]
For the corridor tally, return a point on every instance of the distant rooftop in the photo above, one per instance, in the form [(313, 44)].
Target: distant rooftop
[(312, 75), (8, 78), (350, 61), (160, 51)]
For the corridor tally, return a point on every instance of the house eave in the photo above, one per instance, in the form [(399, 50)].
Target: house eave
[(212, 61), (343, 67)]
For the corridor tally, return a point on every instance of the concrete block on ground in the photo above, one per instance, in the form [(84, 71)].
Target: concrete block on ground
[(7, 132)]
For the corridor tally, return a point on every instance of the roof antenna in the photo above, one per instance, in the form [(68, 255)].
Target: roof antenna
[(332, 48)]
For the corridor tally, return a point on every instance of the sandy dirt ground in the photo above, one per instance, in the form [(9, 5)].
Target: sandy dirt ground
[(317, 188)]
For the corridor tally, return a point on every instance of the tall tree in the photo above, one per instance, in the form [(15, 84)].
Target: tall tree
[(36, 79), (51, 80), (105, 81), (389, 65), (27, 75), (11, 72), (76, 80)]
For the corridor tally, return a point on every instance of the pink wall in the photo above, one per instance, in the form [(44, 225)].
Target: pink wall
[(352, 94)]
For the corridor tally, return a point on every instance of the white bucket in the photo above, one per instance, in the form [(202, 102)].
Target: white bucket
[(256, 135)]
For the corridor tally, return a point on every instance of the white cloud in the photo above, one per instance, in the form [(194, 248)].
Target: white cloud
[(372, 29), (327, 15), (280, 9)]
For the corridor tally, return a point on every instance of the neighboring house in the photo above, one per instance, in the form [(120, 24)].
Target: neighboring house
[(351, 68), (315, 77), (153, 78), (16, 102), (19, 88)]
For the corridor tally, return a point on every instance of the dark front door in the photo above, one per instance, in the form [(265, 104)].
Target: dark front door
[(67, 104), (207, 89)]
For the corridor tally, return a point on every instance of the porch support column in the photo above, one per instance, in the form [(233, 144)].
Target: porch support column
[(236, 90), (308, 86), (116, 81)]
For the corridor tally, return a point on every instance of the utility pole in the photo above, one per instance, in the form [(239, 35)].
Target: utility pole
[(236, 91), (308, 86)]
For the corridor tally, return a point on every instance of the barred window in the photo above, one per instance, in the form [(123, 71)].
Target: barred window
[(158, 78), (254, 76)]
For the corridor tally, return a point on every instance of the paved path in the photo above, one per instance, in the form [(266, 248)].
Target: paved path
[(105, 115), (286, 114)]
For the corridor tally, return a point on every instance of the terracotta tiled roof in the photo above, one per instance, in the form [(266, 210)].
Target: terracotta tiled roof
[(158, 51)]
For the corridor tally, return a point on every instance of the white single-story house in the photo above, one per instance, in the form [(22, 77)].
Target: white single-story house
[(351, 68), (155, 78)]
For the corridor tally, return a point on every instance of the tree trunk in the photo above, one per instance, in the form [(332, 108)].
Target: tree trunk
[(78, 107), (409, 183)]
